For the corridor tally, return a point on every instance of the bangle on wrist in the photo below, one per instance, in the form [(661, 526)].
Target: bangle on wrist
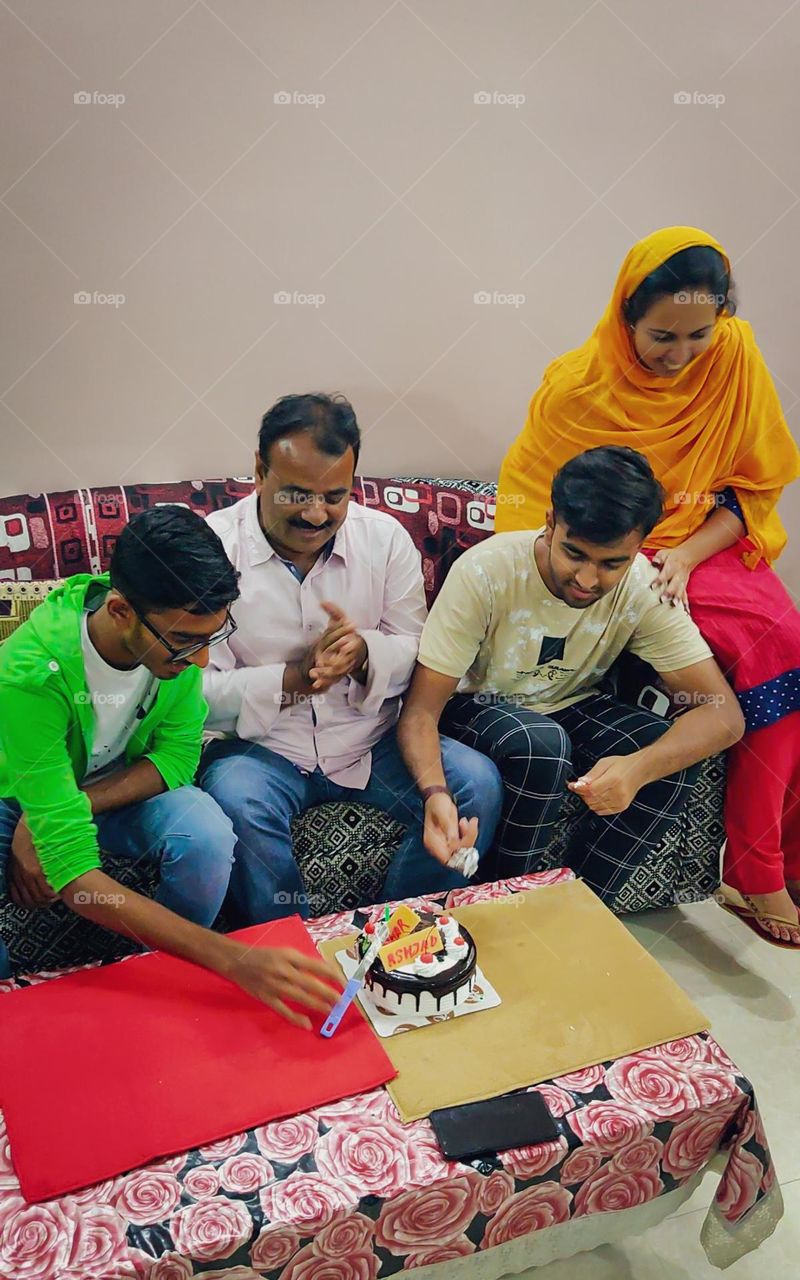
[(436, 790)]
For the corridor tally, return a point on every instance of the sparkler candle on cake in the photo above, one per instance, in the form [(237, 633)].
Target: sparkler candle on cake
[(432, 967)]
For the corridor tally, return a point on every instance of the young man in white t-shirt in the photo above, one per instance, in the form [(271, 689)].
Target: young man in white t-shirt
[(512, 657)]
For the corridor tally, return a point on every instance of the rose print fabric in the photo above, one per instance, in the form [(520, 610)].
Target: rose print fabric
[(348, 1192)]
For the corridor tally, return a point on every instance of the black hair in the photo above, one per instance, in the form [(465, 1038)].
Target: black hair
[(331, 420), (698, 269), (169, 558), (604, 494)]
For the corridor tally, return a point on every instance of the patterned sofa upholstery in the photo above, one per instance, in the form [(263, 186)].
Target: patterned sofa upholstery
[(343, 849)]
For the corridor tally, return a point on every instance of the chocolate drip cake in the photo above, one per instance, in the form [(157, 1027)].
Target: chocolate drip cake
[(432, 983)]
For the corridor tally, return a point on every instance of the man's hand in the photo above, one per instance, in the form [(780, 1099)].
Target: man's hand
[(273, 975), (674, 567), (343, 658), (610, 786), (337, 629), (27, 886), (340, 650), (444, 831), (277, 974), (307, 676)]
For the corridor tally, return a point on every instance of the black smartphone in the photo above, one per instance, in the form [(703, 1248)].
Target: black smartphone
[(483, 1128)]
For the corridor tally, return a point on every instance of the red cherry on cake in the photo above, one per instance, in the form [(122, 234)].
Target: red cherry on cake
[(426, 959), (369, 928), (459, 941), (443, 920)]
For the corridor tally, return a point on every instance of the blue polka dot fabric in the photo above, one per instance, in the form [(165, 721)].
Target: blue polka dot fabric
[(727, 498), (772, 700)]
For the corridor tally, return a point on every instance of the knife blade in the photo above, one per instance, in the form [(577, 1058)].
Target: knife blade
[(356, 980)]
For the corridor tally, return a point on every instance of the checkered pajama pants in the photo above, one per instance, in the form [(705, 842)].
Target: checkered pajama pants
[(537, 755)]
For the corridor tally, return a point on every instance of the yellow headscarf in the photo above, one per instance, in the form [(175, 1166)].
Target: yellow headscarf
[(719, 423)]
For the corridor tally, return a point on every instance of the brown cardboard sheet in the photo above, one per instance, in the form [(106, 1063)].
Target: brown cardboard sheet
[(576, 989)]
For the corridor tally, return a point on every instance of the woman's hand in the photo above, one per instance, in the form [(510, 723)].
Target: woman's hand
[(675, 566)]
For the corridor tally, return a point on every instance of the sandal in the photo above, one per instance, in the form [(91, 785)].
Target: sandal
[(744, 908)]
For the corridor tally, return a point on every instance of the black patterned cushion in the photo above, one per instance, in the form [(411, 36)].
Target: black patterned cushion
[(343, 851), (684, 867)]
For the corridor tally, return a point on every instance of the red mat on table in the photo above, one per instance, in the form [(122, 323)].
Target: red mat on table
[(107, 1069)]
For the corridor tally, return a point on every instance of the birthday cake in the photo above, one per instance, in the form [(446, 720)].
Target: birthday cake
[(436, 969)]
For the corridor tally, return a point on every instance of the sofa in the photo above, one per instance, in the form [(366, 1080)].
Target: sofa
[(343, 849)]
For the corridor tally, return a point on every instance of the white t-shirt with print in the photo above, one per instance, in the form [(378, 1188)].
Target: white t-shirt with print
[(496, 626), (116, 697)]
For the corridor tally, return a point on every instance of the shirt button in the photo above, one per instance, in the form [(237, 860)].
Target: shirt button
[(53, 666)]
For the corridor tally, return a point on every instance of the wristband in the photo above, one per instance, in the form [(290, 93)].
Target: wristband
[(439, 789)]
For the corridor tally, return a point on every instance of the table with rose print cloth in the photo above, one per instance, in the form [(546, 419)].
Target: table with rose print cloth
[(348, 1192)]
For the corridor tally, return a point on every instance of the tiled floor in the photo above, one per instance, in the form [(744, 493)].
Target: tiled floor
[(750, 992)]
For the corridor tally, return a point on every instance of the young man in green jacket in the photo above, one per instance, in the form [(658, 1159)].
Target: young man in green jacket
[(101, 719)]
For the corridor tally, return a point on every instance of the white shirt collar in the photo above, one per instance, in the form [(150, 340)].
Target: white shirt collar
[(259, 547)]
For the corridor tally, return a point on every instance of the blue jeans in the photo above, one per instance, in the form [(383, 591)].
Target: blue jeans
[(182, 832), (262, 791)]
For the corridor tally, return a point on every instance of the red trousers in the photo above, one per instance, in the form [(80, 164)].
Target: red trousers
[(753, 629), (762, 808)]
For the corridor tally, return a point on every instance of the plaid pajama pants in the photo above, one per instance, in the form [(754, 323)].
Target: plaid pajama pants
[(537, 755)]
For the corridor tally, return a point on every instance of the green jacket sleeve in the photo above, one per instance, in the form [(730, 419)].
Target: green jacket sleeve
[(177, 738), (33, 728)]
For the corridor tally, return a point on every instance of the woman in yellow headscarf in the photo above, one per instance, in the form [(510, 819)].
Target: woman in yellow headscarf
[(671, 372)]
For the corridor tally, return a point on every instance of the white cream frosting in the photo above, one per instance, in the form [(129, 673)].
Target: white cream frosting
[(441, 962)]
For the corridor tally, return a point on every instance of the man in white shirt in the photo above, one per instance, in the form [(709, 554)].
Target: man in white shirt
[(329, 617)]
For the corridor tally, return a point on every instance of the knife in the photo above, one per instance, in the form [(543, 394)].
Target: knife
[(356, 981)]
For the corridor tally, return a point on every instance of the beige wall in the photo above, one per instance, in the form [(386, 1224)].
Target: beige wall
[(398, 198)]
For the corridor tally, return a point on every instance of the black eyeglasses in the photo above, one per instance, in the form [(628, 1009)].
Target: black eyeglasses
[(180, 655)]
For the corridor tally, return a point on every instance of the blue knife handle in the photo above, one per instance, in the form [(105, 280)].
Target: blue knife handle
[(342, 1005)]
